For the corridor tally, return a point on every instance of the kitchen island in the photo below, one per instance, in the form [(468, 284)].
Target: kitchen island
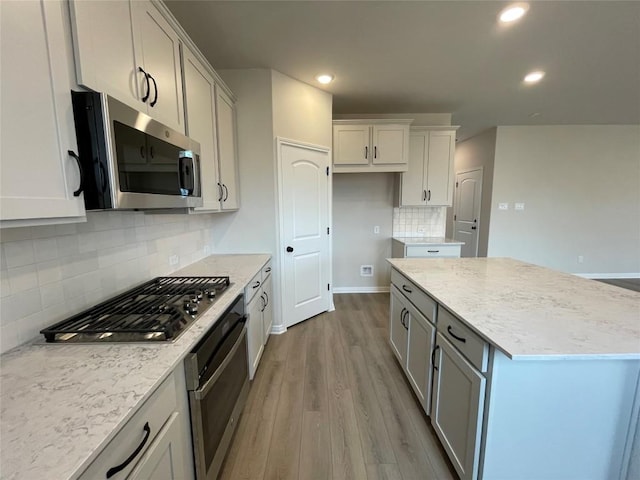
[(535, 372), (62, 404)]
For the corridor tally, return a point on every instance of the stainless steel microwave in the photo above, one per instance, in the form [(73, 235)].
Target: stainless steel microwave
[(129, 161)]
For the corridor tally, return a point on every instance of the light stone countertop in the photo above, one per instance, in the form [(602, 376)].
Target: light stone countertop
[(429, 241), (60, 405), (532, 312)]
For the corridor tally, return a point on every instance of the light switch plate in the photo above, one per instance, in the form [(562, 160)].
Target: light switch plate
[(503, 206), (519, 206)]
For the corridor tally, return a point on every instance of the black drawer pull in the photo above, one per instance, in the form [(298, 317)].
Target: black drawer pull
[(433, 357), (112, 471), (433, 251), (267, 270), (255, 285), (406, 289), (402, 316), (460, 339)]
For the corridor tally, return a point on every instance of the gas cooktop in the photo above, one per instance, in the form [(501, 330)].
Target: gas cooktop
[(158, 310)]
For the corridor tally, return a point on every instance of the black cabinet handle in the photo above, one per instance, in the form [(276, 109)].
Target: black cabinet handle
[(155, 87), (375, 152), (460, 339), (289, 249), (404, 322), (264, 303), (433, 357), (366, 152), (146, 77), (255, 285), (81, 186), (433, 251), (473, 227), (406, 289), (424, 195), (103, 175), (221, 192), (112, 471), (266, 299), (226, 192), (429, 195), (267, 270), (402, 315)]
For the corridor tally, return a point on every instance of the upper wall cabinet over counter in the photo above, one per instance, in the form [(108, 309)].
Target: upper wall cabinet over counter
[(429, 179), (370, 146), (130, 51)]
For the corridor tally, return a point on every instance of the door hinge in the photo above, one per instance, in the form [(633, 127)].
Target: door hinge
[(454, 217), (327, 171), (456, 184), (328, 286), (327, 230)]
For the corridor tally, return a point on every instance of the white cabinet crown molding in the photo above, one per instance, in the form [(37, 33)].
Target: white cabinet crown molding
[(426, 128), (374, 121)]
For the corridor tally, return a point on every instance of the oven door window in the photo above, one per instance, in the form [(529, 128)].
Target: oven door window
[(146, 164), (218, 404)]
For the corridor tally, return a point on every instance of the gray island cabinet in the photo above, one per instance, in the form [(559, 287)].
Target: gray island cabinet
[(526, 373)]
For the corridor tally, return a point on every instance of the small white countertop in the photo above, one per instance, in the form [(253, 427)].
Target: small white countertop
[(60, 405), (532, 312), (427, 241)]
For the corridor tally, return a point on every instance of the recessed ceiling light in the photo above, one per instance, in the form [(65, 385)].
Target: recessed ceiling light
[(325, 78), (513, 12), (534, 77)]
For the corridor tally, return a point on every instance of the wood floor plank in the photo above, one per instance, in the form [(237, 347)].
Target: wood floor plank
[(337, 375), (346, 451), (383, 472), (315, 378), (315, 448)]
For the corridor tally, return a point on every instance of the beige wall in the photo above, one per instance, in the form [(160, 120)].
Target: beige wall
[(360, 202), (478, 151), (581, 190)]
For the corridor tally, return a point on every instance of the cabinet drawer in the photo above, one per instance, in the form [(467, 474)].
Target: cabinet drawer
[(252, 287), (432, 251), (423, 302), (474, 348), (266, 271), (154, 413)]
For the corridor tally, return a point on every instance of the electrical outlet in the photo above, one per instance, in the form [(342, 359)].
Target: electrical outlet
[(503, 206), (376, 230), (366, 270), (580, 259), (420, 230), (174, 260), (519, 206)]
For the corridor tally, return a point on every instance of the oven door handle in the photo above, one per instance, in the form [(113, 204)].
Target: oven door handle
[(202, 392)]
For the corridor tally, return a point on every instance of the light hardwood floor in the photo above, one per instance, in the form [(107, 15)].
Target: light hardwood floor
[(329, 401)]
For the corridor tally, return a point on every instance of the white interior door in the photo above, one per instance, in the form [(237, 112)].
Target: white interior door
[(466, 211), (304, 217)]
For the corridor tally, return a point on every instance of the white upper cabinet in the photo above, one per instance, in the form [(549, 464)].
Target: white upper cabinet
[(429, 178), (38, 175), (128, 50), (200, 105), (227, 150), (370, 146)]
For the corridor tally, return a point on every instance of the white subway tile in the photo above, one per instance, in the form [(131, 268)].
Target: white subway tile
[(22, 278), (66, 229), (5, 289), (49, 272), (19, 253), (51, 294), (9, 337), (67, 245), (15, 234), (43, 231), (19, 305), (87, 242), (79, 264), (45, 249), (3, 260)]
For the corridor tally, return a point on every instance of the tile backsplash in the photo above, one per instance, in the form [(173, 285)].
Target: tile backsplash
[(419, 221), (48, 273)]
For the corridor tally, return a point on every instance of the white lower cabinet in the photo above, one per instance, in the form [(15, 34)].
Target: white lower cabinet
[(457, 408), (258, 296), (153, 444), (39, 176), (411, 337)]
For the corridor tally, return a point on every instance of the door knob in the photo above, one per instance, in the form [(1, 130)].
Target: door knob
[(289, 249)]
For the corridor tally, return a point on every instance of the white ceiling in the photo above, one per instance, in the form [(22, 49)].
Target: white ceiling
[(438, 56)]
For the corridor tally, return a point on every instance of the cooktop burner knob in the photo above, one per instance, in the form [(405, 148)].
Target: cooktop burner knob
[(191, 308), (198, 294), (211, 294), (194, 299)]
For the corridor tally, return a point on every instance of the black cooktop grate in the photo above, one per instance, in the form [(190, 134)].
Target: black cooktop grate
[(153, 311)]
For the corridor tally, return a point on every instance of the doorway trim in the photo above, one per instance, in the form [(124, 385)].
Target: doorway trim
[(279, 258), (455, 203)]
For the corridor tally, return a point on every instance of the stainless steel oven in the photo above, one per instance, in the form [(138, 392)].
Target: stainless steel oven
[(217, 374)]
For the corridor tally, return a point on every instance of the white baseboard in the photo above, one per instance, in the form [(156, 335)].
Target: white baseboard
[(278, 329), (361, 290), (606, 276)]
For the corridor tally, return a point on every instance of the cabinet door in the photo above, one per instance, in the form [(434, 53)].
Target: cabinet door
[(397, 330), (413, 191), (390, 144), (419, 347), (104, 49), (37, 174), (439, 174), (227, 148), (199, 97), (267, 313), (457, 408), (164, 460), (255, 337), (351, 145)]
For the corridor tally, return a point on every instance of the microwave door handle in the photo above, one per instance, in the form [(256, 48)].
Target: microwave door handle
[(187, 174), (204, 390)]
